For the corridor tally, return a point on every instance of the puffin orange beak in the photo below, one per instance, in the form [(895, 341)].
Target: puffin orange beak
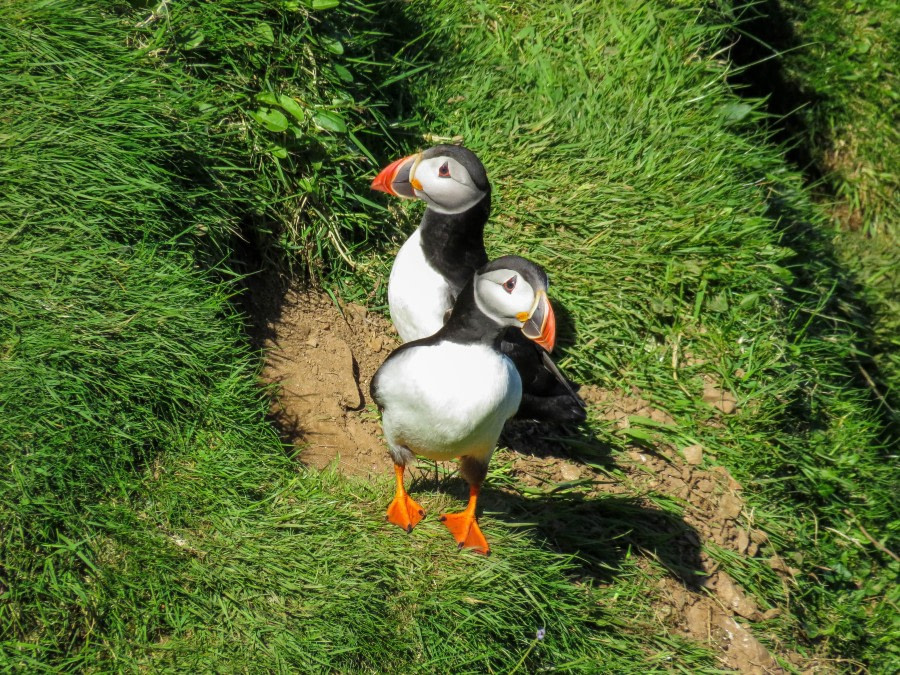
[(540, 324), (397, 177)]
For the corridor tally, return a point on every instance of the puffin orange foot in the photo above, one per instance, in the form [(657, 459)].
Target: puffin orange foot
[(405, 512), (466, 531)]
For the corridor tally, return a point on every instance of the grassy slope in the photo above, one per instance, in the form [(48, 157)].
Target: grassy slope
[(853, 130), (668, 223), (844, 61), (830, 69), (150, 516)]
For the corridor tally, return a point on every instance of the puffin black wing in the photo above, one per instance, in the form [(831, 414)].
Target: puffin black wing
[(547, 394)]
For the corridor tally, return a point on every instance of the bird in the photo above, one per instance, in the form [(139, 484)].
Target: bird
[(439, 258), (449, 395)]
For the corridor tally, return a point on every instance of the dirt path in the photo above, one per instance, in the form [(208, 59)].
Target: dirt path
[(324, 358)]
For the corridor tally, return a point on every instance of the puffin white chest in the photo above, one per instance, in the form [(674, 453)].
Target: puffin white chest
[(448, 400), (418, 295)]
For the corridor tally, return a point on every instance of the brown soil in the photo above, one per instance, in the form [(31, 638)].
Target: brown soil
[(323, 358)]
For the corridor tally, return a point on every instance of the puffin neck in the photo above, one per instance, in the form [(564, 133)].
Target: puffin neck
[(453, 243), (468, 324)]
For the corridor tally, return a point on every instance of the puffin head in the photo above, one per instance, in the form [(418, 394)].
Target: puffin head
[(449, 178), (513, 292)]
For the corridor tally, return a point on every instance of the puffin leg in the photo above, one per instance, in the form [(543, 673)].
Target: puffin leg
[(404, 511), (464, 526)]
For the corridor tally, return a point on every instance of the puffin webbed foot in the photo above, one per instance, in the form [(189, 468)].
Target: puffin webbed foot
[(405, 512), (464, 528)]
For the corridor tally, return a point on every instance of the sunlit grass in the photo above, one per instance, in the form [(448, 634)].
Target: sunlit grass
[(683, 247), (149, 515)]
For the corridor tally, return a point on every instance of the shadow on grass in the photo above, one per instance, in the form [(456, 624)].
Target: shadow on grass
[(601, 531), (833, 310), (766, 33)]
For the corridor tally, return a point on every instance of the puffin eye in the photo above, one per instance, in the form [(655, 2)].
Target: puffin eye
[(444, 171), (509, 285)]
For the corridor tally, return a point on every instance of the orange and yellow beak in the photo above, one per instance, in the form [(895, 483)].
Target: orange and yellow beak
[(540, 323), (398, 178)]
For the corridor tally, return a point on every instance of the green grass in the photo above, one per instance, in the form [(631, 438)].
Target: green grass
[(669, 221), (836, 65), (829, 71), (150, 517)]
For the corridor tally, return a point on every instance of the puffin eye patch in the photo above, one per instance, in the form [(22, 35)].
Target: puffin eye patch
[(444, 171), (510, 284)]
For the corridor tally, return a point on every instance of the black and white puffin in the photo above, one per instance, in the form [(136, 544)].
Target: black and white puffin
[(448, 395), (436, 262)]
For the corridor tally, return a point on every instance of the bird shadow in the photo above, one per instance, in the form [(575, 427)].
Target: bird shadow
[(600, 531)]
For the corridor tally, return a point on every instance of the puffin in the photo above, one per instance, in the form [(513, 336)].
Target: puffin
[(440, 257), (449, 395)]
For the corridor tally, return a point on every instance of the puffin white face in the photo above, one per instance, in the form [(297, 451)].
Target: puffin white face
[(510, 299), (449, 179), (503, 295), (444, 184)]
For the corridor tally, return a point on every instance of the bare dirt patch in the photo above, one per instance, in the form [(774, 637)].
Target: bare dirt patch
[(323, 358)]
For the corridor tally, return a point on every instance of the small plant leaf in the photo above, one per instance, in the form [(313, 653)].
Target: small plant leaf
[(343, 73), (641, 420), (637, 433), (718, 303), (332, 45), (735, 112), (273, 120), (527, 32), (267, 97), (194, 41), (264, 34), (323, 4), (330, 121), (291, 107)]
